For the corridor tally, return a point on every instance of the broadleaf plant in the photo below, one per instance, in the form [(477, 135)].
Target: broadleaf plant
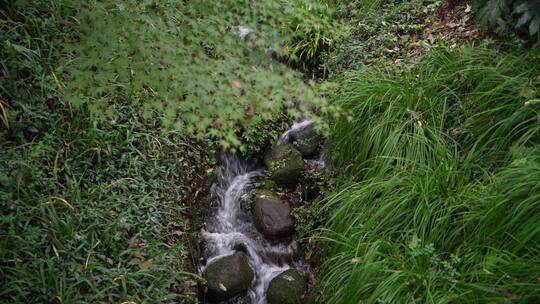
[(503, 15)]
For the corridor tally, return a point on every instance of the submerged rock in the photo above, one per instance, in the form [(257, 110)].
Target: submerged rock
[(272, 216), (289, 287), (307, 142), (285, 165), (227, 277)]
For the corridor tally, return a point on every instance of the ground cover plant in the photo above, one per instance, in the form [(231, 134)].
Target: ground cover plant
[(90, 212), (442, 200)]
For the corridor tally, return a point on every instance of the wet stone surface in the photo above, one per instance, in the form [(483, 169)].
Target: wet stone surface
[(272, 216), (264, 268), (307, 142), (284, 165), (289, 287), (228, 276)]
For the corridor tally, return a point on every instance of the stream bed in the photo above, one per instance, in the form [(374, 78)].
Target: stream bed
[(248, 252)]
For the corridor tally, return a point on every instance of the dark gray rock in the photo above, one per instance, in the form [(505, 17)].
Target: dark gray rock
[(272, 216), (227, 277), (285, 165), (308, 142), (289, 287)]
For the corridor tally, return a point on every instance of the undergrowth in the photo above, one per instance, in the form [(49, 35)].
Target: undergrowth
[(98, 213), (378, 31), (90, 212), (441, 201)]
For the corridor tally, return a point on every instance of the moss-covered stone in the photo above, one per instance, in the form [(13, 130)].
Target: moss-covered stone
[(308, 142), (265, 194), (285, 165), (227, 277), (289, 287)]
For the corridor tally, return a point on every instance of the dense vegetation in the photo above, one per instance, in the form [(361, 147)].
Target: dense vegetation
[(440, 202), (110, 112), (95, 184), (211, 70), (91, 212), (443, 199)]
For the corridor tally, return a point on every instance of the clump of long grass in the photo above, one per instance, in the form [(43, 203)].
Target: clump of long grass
[(442, 203)]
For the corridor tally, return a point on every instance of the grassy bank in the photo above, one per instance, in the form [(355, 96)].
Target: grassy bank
[(110, 112), (98, 213), (91, 211), (442, 199)]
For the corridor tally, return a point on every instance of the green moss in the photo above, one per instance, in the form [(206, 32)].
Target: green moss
[(285, 165), (228, 277), (288, 287), (308, 144)]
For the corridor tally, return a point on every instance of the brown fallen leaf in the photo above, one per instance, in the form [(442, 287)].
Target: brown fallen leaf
[(452, 25), (251, 111), (235, 84)]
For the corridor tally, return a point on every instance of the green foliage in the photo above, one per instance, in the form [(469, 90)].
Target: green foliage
[(311, 37), (479, 98), (441, 204), (96, 213), (378, 30), (92, 213), (27, 61), (506, 15), (187, 61), (89, 212)]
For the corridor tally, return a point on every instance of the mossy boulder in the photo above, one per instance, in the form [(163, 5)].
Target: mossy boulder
[(272, 216), (285, 165), (227, 277), (289, 287), (308, 142)]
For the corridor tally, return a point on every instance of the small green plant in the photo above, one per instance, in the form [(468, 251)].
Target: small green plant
[(506, 15), (310, 37)]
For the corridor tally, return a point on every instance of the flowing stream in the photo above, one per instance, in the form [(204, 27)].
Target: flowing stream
[(230, 228)]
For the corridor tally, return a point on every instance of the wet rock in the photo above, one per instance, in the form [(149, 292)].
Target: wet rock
[(289, 287), (308, 142), (272, 216), (227, 277), (285, 165)]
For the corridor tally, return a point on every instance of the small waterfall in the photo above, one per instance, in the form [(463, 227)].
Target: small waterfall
[(297, 127), (230, 228)]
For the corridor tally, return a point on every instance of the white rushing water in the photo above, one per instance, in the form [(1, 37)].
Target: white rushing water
[(230, 229), (297, 127)]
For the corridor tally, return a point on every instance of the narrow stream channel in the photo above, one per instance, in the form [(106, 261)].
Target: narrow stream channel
[(230, 228)]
